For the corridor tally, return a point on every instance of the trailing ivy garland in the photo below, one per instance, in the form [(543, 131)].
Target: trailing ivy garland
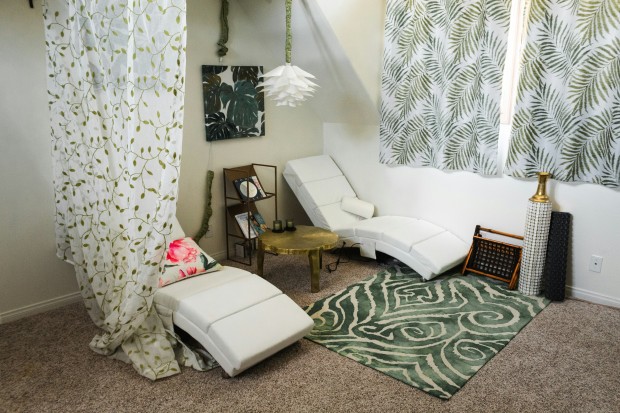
[(222, 50), (204, 228)]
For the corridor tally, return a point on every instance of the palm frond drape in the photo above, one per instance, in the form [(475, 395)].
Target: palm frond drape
[(567, 116), (441, 86)]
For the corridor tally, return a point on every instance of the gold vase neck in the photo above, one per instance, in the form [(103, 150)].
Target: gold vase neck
[(541, 191)]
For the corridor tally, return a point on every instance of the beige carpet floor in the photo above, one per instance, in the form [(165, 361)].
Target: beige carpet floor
[(566, 360)]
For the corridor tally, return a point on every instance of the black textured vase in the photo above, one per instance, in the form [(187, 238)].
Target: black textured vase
[(554, 276)]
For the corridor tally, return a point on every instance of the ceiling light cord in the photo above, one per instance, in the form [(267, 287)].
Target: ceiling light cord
[(288, 85), (289, 36)]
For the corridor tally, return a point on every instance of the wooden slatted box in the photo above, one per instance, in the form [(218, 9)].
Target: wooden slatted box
[(493, 258)]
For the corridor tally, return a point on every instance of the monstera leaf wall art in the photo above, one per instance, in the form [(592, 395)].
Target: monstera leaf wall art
[(234, 105)]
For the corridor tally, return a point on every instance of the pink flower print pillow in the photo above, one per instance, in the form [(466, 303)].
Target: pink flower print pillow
[(185, 259)]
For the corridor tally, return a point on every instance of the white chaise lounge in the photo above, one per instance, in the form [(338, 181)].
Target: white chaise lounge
[(330, 202), (237, 316)]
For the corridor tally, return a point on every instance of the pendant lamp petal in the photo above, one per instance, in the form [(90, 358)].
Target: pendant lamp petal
[(288, 84)]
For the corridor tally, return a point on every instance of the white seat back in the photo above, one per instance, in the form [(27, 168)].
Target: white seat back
[(320, 186)]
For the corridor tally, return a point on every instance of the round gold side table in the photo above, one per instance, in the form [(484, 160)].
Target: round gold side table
[(305, 240)]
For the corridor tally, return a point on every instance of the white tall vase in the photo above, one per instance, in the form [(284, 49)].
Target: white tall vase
[(537, 221)]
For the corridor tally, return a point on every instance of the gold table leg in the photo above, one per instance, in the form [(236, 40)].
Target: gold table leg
[(315, 270), (260, 259)]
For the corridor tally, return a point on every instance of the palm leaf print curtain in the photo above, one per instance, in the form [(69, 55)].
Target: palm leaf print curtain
[(441, 85), (567, 116), (116, 73)]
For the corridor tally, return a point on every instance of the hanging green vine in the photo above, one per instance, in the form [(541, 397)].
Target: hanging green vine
[(289, 36), (204, 228), (222, 49)]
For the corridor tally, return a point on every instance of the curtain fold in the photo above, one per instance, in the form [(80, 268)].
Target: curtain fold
[(441, 85), (116, 80), (567, 115)]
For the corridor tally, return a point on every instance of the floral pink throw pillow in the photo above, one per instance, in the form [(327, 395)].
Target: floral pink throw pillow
[(185, 259)]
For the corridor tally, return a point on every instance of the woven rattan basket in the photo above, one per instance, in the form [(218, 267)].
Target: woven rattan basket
[(493, 258)]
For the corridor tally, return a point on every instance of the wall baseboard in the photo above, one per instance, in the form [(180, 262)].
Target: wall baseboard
[(219, 255), (39, 307), (52, 303), (592, 297)]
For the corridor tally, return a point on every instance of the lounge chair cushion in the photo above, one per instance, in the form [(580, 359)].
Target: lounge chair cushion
[(327, 191), (219, 302), (254, 334), (376, 227), (333, 217), (441, 252), (357, 207), (171, 295), (313, 168), (237, 316), (408, 234)]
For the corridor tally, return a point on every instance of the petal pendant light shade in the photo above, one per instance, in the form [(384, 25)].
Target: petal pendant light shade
[(288, 84)]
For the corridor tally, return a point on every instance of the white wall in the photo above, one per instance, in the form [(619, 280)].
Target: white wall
[(30, 272), (32, 279), (459, 201), (358, 28)]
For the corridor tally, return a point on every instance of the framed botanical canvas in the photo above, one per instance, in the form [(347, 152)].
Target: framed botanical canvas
[(234, 106)]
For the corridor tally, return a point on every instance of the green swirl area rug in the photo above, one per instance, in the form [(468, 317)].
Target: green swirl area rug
[(432, 335)]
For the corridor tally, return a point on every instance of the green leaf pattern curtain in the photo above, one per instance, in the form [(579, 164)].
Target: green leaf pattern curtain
[(441, 87), (116, 79), (567, 116)]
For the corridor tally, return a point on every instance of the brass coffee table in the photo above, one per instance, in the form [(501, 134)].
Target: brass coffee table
[(305, 240)]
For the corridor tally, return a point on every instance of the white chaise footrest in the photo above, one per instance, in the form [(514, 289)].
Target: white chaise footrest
[(237, 316), (254, 334), (437, 253)]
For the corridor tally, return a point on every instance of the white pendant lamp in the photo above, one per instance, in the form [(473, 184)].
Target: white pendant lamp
[(288, 84)]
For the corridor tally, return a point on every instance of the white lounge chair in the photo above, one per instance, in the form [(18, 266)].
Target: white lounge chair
[(237, 316), (331, 203)]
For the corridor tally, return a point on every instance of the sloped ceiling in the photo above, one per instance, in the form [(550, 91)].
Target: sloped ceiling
[(342, 96)]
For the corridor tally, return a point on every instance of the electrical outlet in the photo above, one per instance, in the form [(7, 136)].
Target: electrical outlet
[(596, 262)]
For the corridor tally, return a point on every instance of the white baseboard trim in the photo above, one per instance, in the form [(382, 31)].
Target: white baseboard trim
[(39, 307), (53, 303), (592, 297)]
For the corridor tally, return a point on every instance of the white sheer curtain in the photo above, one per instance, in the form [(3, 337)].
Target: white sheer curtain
[(116, 83)]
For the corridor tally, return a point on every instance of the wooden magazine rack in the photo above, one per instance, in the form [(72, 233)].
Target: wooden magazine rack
[(493, 258), (240, 200)]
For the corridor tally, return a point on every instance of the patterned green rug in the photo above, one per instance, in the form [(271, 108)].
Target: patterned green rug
[(431, 335)]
